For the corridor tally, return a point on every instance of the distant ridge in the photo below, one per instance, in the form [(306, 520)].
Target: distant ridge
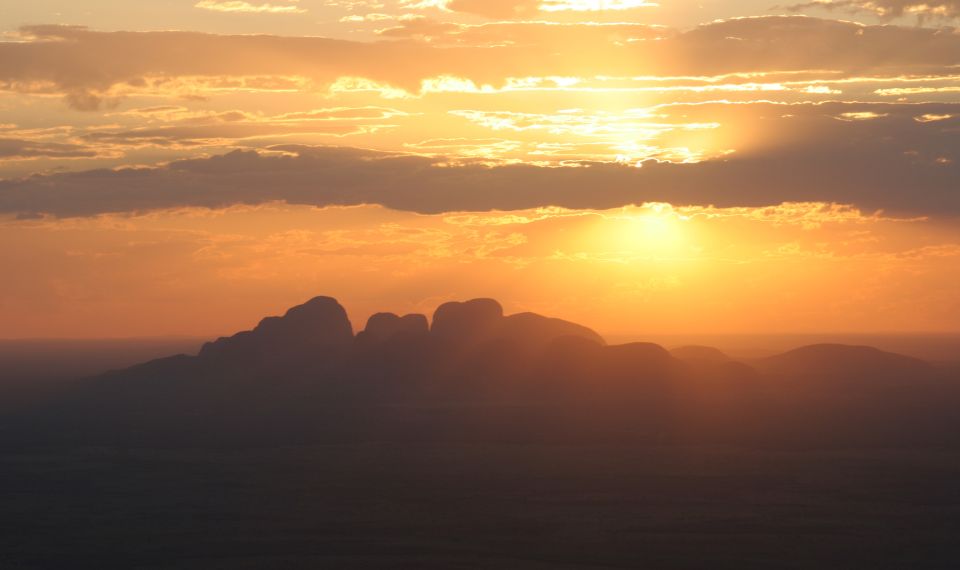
[(320, 323), (472, 372), (701, 353), (837, 360)]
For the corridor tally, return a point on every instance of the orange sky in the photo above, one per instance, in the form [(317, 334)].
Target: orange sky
[(681, 167)]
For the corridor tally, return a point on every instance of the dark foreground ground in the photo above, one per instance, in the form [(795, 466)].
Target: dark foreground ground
[(490, 506)]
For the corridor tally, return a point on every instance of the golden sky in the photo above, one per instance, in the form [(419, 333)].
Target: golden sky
[(186, 167)]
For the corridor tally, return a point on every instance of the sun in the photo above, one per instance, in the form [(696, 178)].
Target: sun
[(653, 231)]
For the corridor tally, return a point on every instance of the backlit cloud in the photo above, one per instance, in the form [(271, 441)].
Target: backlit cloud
[(682, 164), (892, 8), (251, 7), (90, 67), (814, 153)]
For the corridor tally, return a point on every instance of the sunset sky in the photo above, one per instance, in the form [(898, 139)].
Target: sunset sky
[(185, 167)]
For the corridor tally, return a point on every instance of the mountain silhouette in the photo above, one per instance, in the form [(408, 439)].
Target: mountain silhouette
[(385, 326), (304, 343), (845, 362), (480, 321), (699, 353), (473, 372), (467, 321)]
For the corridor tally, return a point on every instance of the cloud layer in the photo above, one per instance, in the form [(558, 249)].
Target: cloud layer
[(922, 9), (413, 151), (899, 158), (88, 66)]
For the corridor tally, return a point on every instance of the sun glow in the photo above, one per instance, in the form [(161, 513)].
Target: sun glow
[(395, 153), (652, 231), (658, 229)]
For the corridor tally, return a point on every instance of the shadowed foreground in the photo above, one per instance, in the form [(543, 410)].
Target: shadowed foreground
[(479, 440), (480, 506), (473, 374)]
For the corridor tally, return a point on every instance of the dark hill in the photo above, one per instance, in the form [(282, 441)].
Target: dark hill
[(384, 326), (845, 362), (307, 336), (466, 322), (536, 332), (477, 374), (700, 353)]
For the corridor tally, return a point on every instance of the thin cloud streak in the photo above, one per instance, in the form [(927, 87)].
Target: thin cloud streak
[(84, 65)]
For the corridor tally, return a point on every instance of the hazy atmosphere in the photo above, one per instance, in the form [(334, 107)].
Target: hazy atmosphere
[(479, 284), (684, 167)]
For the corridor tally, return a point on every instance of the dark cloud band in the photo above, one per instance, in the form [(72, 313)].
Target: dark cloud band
[(897, 158), (84, 65)]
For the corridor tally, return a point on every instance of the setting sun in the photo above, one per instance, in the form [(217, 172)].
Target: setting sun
[(480, 284)]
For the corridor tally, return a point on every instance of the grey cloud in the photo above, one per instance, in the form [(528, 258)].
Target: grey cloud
[(84, 65), (892, 162), (923, 9), (495, 8), (557, 35), (223, 127), (11, 148), (195, 135)]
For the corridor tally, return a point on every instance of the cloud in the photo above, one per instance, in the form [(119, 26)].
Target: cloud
[(89, 67), (495, 8), (892, 162), (179, 127), (18, 149), (522, 8), (891, 8), (594, 5), (553, 34), (247, 7)]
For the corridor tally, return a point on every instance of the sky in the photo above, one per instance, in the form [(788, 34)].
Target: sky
[(185, 167)]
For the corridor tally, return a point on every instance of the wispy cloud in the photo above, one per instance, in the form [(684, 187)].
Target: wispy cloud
[(248, 7), (891, 162), (891, 8)]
